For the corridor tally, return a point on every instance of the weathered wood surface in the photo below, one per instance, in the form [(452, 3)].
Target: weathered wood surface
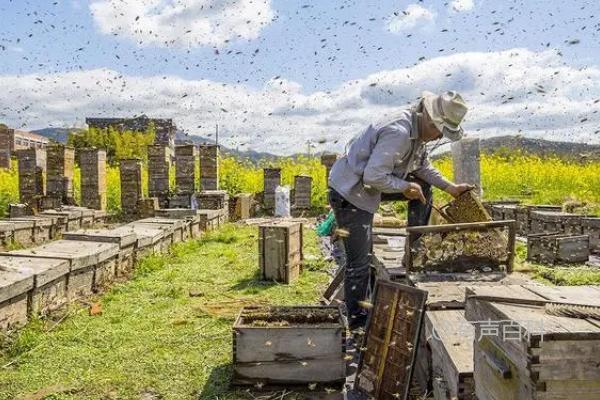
[(119, 236), (292, 353), (547, 353), (450, 337), (280, 251)]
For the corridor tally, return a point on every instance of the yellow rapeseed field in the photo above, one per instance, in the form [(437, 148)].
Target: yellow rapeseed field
[(529, 178)]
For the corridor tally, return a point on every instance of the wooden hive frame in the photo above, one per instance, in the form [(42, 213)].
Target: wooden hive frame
[(417, 231)]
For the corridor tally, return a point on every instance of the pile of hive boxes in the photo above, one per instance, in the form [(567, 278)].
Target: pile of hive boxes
[(38, 280), (553, 236)]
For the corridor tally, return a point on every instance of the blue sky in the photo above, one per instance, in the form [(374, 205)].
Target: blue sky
[(311, 63)]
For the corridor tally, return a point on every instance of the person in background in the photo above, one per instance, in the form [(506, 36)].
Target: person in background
[(389, 159)]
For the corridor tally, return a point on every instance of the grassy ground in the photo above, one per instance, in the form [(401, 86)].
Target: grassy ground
[(166, 334)]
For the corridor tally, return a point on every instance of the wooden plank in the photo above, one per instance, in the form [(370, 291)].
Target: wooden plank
[(458, 227)]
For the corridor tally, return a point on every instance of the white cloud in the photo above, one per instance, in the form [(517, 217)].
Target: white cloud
[(174, 23), (462, 5), (414, 16), (509, 92)]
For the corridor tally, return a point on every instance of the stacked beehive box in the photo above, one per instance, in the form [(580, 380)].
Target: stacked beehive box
[(272, 179), (558, 248), (131, 185), (159, 166), (185, 168), (280, 251), (212, 200), (209, 167), (555, 222), (32, 166), (93, 178), (302, 191), (59, 173), (328, 159), (240, 207), (591, 228), (147, 207), (6, 146), (522, 352)]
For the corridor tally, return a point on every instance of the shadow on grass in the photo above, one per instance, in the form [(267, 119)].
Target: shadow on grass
[(253, 284), (218, 383)]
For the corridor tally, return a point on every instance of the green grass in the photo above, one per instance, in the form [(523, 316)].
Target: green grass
[(153, 337)]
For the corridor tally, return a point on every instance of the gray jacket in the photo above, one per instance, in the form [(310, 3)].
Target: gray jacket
[(379, 160)]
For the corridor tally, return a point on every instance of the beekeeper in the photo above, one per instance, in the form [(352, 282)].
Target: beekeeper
[(389, 161)]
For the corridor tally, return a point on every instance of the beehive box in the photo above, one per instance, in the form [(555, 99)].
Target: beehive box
[(92, 163), (131, 185), (556, 222), (49, 291), (68, 220), (558, 248), (389, 350), (185, 168), (209, 167), (166, 236), (522, 353), (44, 227), (302, 191), (159, 167), (87, 215), (327, 160), (591, 228), (289, 345), (187, 214), (149, 239), (176, 227), (147, 207), (14, 291), (240, 206), (272, 179), (212, 200), (180, 200), (210, 219), (59, 171), (450, 337), (125, 239), (92, 265), (6, 146), (280, 251), (19, 233), (32, 167)]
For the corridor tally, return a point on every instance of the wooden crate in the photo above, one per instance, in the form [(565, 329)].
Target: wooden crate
[(302, 191), (289, 345), (522, 353), (386, 365), (486, 247), (280, 251), (450, 337), (241, 207), (15, 286), (557, 248), (591, 228), (555, 221), (212, 200), (272, 179)]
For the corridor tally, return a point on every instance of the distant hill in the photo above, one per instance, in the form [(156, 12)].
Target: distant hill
[(57, 134), (541, 147)]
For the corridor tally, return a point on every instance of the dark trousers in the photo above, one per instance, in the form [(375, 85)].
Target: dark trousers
[(358, 245)]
